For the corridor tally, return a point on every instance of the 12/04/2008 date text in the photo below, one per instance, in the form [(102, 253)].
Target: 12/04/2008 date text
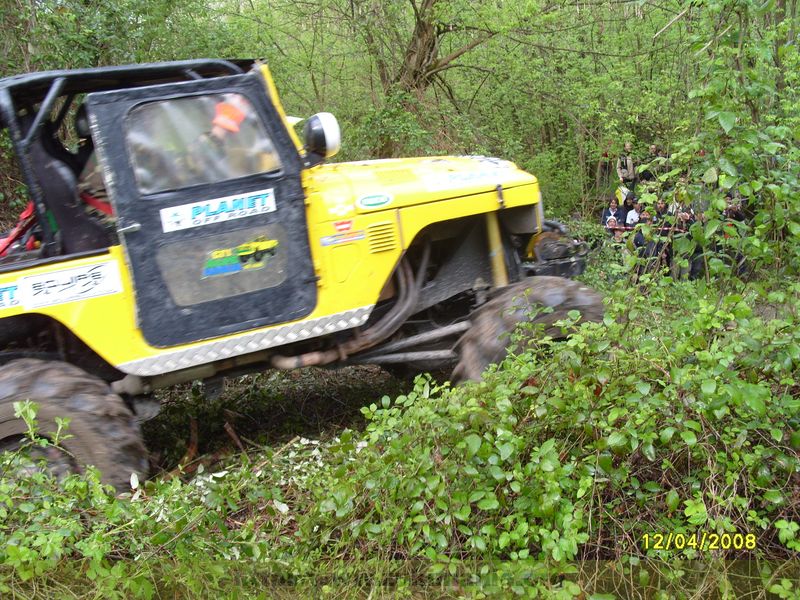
[(704, 541)]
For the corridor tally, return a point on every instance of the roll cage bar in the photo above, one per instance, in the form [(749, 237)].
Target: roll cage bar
[(27, 100)]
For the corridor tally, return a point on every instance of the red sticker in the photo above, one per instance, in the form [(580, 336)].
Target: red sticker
[(343, 225)]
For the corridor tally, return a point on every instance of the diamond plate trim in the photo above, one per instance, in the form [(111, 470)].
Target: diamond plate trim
[(245, 343)]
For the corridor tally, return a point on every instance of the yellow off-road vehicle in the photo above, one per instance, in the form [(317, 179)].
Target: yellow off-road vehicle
[(404, 263), (256, 250)]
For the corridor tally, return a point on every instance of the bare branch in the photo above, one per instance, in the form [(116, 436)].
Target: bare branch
[(675, 18)]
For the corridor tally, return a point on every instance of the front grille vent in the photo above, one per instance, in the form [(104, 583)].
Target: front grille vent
[(381, 237)]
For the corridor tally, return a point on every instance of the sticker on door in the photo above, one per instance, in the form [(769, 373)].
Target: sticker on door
[(218, 210), (248, 256)]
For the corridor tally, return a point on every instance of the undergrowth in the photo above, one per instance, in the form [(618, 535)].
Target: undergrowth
[(678, 414)]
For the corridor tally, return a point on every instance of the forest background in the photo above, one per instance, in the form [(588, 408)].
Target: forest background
[(678, 413), (550, 85)]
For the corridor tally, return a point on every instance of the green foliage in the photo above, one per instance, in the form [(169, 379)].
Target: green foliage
[(676, 414)]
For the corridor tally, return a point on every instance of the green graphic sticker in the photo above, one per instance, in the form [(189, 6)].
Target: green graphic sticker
[(244, 257)]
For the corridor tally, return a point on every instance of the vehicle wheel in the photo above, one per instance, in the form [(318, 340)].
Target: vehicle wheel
[(243, 258), (258, 256), (103, 429), (486, 340)]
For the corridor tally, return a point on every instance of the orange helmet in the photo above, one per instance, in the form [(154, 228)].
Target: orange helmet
[(228, 116)]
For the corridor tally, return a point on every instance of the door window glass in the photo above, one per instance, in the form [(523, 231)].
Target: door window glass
[(207, 268), (193, 140)]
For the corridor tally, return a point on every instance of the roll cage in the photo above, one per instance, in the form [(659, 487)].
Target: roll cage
[(28, 110)]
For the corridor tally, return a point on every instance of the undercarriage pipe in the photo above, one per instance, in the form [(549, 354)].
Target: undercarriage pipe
[(424, 338), (404, 357), (408, 294)]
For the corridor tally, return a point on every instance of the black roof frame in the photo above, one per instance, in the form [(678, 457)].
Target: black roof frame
[(38, 92)]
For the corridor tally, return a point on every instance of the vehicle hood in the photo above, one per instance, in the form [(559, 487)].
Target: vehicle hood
[(347, 189)]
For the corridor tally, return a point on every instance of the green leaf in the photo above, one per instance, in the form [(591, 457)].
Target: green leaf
[(476, 495), (615, 414), (617, 439), (649, 452), (489, 503), (710, 176), (462, 514), (774, 496), (643, 387), (727, 120), (727, 167), (776, 434), (606, 462), (479, 542), (693, 425), (473, 442), (673, 500), (666, 435), (504, 539), (756, 404), (711, 228), (689, 437), (506, 450)]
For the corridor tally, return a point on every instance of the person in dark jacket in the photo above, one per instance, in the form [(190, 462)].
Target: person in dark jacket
[(732, 214), (628, 205), (652, 248), (660, 214), (613, 210)]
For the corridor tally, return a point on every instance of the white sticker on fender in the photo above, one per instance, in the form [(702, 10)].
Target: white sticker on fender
[(218, 210), (70, 285)]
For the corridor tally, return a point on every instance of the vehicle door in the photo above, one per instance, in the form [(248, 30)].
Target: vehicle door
[(205, 185)]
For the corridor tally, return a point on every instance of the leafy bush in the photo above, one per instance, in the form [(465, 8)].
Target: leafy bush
[(678, 414)]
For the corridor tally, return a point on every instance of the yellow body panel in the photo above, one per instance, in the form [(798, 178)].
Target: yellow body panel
[(361, 218)]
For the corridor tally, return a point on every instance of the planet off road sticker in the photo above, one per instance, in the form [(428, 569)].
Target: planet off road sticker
[(244, 257), (218, 210), (70, 285)]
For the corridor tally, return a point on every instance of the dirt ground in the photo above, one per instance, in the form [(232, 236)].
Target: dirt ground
[(262, 410)]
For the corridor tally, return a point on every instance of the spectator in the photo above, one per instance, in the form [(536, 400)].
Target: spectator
[(626, 169), (613, 211), (654, 250), (653, 162), (660, 213), (627, 205), (732, 214), (633, 215), (733, 209), (615, 229), (684, 247), (684, 215), (604, 170), (680, 196)]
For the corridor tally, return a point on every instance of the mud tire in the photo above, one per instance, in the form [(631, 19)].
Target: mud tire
[(103, 429), (486, 341)]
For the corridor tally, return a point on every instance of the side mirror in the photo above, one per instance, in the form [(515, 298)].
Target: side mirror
[(322, 135)]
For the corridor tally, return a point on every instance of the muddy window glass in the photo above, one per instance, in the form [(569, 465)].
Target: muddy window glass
[(209, 268), (199, 139)]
